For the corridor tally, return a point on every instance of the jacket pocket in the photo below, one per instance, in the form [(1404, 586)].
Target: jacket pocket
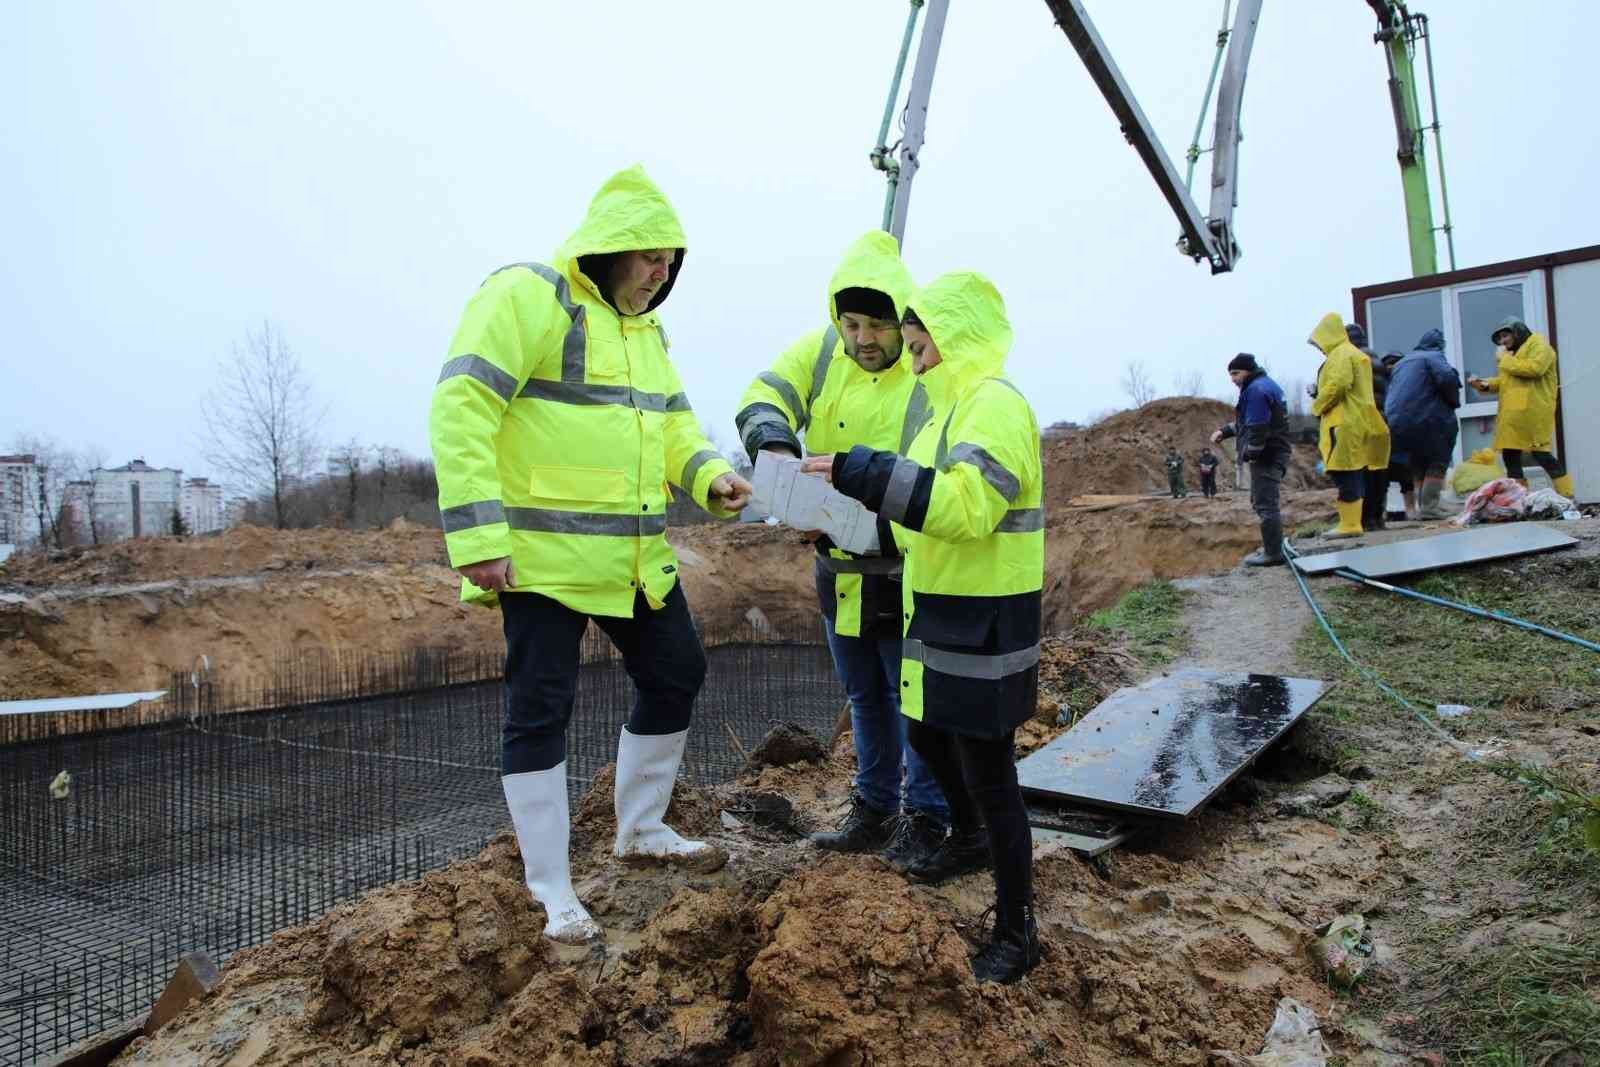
[(593, 485)]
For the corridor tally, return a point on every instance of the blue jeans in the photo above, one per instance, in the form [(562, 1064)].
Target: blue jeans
[(869, 668)]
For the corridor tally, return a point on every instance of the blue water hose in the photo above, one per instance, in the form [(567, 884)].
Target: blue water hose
[(1421, 715)]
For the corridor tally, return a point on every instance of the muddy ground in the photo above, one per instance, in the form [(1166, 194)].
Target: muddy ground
[(1174, 946)]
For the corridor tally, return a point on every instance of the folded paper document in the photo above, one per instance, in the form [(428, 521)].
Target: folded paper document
[(806, 502)]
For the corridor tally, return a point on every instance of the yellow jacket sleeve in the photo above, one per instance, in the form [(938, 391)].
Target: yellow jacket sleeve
[(777, 405), (1534, 359), (510, 325), (993, 450), (1336, 379), (693, 462)]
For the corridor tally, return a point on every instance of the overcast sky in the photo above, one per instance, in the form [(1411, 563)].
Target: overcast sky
[(173, 173)]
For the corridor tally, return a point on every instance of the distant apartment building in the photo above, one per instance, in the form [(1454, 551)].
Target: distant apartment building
[(18, 479), (203, 510), (135, 500)]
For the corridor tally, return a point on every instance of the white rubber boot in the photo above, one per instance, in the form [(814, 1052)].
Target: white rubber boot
[(538, 803), (647, 766)]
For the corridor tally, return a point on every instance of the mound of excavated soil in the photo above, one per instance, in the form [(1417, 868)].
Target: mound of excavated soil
[(124, 617), (1126, 452), (791, 956)]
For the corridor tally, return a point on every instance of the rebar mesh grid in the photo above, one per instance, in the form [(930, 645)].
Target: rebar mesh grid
[(213, 827)]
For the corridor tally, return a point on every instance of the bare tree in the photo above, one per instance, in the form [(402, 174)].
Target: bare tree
[(1137, 383), (1189, 383), (54, 466), (261, 418), (345, 461)]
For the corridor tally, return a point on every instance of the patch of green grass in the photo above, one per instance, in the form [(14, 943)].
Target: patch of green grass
[(1151, 617), (1518, 1005), (1434, 655), (1366, 813)]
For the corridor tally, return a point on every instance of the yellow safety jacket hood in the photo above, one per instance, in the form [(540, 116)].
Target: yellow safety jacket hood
[(871, 262), (630, 213), (966, 317)]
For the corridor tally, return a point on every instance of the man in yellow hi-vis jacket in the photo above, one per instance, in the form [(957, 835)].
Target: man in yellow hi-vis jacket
[(557, 425), (1525, 379), (966, 500), (841, 386)]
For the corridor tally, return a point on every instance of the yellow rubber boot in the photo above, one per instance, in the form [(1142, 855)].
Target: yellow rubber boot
[(1349, 520), (1563, 485)]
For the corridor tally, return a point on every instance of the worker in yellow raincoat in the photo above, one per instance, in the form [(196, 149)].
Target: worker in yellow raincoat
[(966, 501), (1526, 380), (1352, 437), (557, 425), (842, 385)]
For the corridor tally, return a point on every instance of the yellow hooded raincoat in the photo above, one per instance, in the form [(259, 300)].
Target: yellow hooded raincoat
[(557, 422), (1353, 435), (967, 506), (1526, 382), (814, 388)]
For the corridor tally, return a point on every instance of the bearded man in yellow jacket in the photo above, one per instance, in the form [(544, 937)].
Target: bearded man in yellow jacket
[(966, 501), (840, 386), (1526, 381), (557, 425)]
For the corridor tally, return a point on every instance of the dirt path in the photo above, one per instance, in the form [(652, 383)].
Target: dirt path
[(1245, 620)]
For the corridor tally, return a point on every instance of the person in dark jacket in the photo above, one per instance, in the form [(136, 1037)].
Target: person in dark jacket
[(1261, 423), (1399, 472), (1424, 393), (1208, 472), (1174, 463), (1375, 503)]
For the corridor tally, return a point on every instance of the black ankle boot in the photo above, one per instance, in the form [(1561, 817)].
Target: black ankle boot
[(916, 837), (863, 829), (1010, 953), (961, 852)]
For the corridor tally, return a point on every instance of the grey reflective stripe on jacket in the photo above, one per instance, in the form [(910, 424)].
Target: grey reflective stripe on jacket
[(897, 494), (580, 393), (480, 370), (467, 516), (994, 472), (1021, 520), (779, 385), (918, 412), (692, 467), (990, 667), (574, 346), (819, 374), (546, 520)]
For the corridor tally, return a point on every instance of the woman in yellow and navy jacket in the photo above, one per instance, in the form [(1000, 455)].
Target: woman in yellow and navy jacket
[(965, 503)]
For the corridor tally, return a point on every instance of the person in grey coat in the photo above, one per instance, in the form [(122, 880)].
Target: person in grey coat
[(1424, 393)]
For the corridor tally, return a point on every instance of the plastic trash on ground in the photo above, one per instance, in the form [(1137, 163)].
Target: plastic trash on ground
[(1499, 500), (1344, 949), (1545, 504), (1452, 711), (1293, 1041)]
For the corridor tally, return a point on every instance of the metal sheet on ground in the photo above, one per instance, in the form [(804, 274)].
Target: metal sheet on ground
[(1477, 545), (1163, 749), (1087, 832)]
